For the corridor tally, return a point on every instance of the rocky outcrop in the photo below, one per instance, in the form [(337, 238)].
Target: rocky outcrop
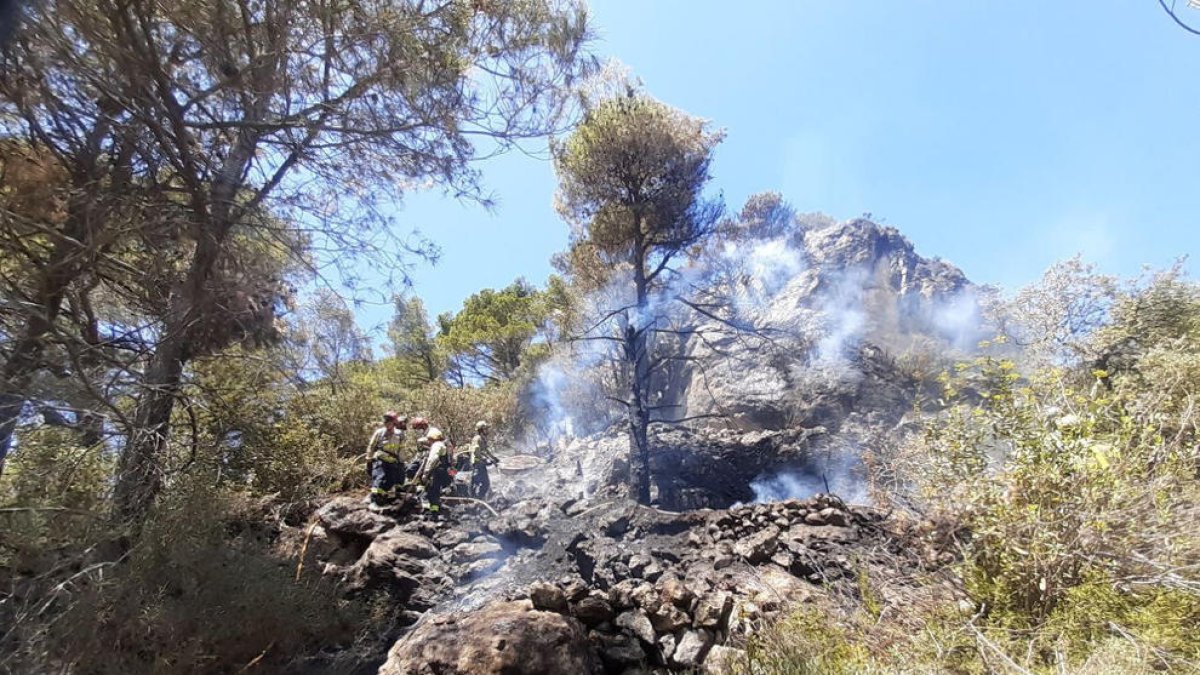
[(501, 638), (863, 285), (553, 587)]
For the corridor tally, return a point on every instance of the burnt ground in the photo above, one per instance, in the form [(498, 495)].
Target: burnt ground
[(651, 588)]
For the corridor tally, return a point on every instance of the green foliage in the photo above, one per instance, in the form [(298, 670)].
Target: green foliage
[(418, 360), (809, 642), (199, 593), (631, 177), (53, 496), (493, 334)]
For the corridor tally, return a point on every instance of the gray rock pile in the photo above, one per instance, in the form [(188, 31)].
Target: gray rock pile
[(611, 588)]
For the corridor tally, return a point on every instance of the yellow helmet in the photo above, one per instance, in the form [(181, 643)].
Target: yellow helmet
[(436, 435)]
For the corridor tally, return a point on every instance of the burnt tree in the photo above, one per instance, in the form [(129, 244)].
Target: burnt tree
[(631, 183)]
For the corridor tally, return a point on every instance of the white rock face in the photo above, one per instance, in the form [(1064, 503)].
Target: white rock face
[(862, 284)]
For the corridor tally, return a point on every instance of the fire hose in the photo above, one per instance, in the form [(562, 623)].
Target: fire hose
[(472, 499)]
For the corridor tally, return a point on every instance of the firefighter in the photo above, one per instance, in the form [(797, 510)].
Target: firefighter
[(435, 470), (384, 458), (481, 456), (421, 429)]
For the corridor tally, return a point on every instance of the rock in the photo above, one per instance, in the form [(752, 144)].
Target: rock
[(350, 516), (574, 588), (692, 648), (721, 659), (479, 568), (502, 638), (666, 648), (723, 560), (616, 527), (621, 595), (814, 518), (451, 538), (638, 563), (469, 552), (547, 596), (647, 597), (619, 651), (404, 544), (652, 571), (638, 624), (758, 547), (669, 618), (713, 610), (676, 592), (392, 563), (593, 610), (835, 517)]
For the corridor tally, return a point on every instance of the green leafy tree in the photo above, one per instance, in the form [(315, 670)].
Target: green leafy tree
[(631, 181), (417, 360), (492, 336), (309, 112)]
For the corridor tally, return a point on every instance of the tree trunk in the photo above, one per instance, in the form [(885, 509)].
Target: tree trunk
[(639, 412), (139, 477), (636, 355)]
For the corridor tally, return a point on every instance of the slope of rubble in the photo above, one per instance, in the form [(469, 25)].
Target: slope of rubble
[(599, 585)]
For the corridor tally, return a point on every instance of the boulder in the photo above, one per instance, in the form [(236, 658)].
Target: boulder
[(619, 652), (713, 610), (502, 638), (475, 551), (721, 659), (676, 592), (835, 517), (593, 610), (394, 563), (669, 618), (547, 596), (758, 547), (350, 516), (692, 648), (637, 624), (402, 544), (666, 648)]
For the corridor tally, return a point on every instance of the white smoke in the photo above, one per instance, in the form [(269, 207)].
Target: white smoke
[(959, 319), (844, 318), (842, 476)]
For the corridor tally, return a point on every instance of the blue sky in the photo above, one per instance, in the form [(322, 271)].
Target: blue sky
[(1000, 136)]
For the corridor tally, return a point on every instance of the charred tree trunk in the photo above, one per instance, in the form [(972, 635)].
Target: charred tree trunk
[(639, 411), (636, 355)]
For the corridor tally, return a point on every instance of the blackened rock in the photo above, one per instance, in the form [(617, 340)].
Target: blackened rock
[(619, 651), (593, 610)]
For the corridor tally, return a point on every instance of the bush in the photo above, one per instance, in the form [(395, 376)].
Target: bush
[(1081, 509), (198, 593)]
